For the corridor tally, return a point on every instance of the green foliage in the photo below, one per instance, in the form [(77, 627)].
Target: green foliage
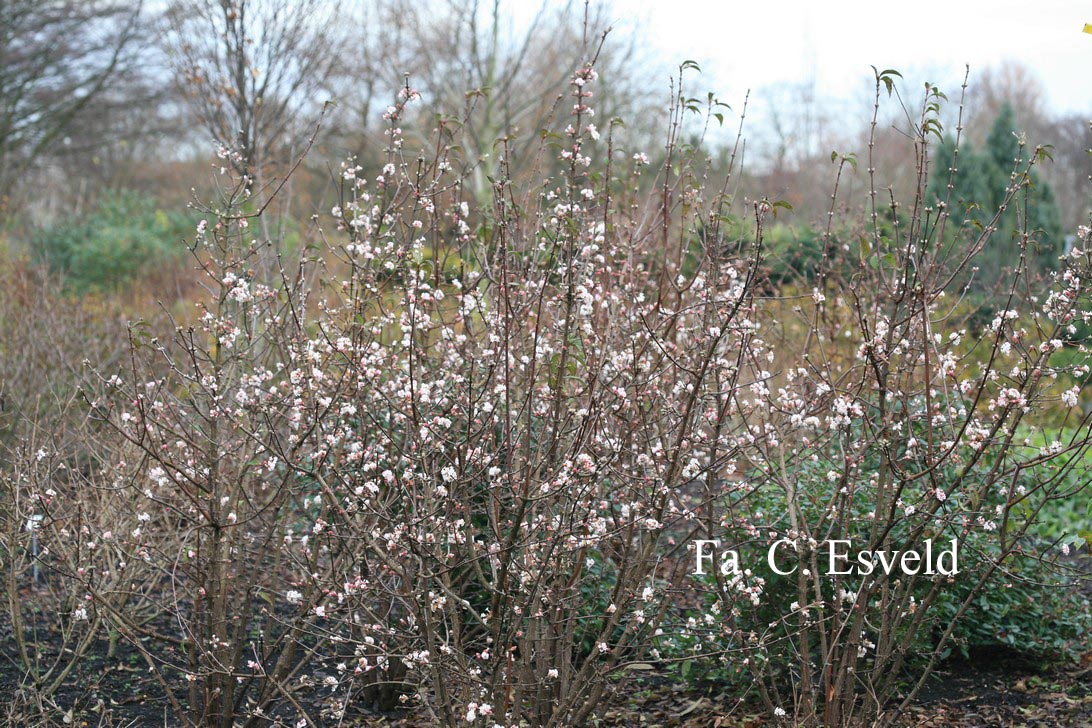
[(1029, 608), (793, 253), (124, 237), (1066, 518), (1028, 612)]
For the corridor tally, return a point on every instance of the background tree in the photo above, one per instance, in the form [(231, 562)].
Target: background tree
[(58, 59), (979, 187), (477, 64), (255, 72), (1071, 137)]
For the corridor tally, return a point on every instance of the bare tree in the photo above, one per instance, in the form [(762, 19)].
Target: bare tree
[(57, 59), (494, 72), (254, 71), (1071, 136), (1009, 83)]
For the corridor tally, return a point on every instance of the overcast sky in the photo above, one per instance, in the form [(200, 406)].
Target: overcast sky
[(754, 44)]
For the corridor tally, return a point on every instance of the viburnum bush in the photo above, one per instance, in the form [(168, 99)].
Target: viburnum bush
[(889, 418), (457, 456)]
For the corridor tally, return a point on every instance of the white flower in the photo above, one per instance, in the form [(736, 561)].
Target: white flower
[(449, 474), (1069, 397), (779, 712), (240, 292), (293, 596)]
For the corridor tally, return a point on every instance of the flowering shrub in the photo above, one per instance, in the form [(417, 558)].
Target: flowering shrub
[(415, 470), (458, 456), (927, 431)]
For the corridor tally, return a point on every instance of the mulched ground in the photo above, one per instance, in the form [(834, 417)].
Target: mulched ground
[(991, 691), (985, 692), (994, 695), (998, 689)]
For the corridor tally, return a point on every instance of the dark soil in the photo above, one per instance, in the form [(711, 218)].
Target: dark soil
[(113, 685), (1001, 690), (989, 689), (984, 692)]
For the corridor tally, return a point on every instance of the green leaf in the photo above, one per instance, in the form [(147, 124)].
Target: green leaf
[(866, 246), (887, 78), (933, 126)]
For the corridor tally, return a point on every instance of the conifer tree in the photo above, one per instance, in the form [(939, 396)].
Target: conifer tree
[(979, 188)]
